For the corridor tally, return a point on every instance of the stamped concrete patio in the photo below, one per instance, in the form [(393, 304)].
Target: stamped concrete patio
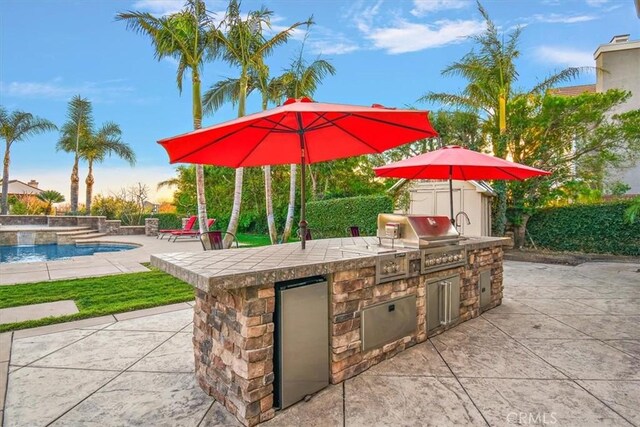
[(563, 349)]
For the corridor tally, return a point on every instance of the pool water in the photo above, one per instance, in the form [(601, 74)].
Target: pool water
[(34, 253)]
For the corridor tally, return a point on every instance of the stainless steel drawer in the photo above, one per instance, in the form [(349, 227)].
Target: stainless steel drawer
[(388, 321)]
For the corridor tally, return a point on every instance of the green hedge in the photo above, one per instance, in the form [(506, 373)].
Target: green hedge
[(167, 220), (598, 228), (330, 218)]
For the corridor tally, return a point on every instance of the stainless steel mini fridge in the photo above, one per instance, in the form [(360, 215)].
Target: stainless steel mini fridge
[(302, 339)]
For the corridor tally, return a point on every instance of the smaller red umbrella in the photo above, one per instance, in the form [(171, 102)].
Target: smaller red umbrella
[(455, 162)]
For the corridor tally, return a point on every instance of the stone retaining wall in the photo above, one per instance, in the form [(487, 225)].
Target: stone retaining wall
[(129, 230)]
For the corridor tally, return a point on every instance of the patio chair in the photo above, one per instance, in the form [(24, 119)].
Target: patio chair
[(354, 231), (213, 241), (308, 235), (187, 227), (190, 233)]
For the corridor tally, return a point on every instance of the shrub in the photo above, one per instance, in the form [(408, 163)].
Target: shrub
[(593, 228), (332, 217)]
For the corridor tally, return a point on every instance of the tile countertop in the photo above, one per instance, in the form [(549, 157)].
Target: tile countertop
[(245, 267)]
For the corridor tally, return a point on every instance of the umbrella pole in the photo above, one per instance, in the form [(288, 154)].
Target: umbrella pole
[(453, 221), (303, 176)]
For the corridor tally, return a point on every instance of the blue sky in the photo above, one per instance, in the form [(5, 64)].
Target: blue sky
[(388, 52)]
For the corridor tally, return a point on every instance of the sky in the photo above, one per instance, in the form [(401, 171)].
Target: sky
[(386, 52)]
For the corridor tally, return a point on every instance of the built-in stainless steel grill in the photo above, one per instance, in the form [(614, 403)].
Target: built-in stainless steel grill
[(435, 235), (415, 231)]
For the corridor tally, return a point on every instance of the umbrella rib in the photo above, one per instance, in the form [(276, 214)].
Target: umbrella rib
[(386, 122), (211, 143), (255, 146), (318, 117), (278, 123), (510, 174), (328, 123), (356, 137)]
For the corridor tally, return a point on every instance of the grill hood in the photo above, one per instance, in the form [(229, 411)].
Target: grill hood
[(416, 231)]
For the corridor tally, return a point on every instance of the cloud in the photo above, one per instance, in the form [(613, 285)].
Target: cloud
[(329, 47), (55, 89), (565, 56), (597, 3), (424, 7), (411, 37), (556, 18), (159, 7)]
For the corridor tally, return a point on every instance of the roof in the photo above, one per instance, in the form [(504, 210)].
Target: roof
[(573, 90), (19, 187)]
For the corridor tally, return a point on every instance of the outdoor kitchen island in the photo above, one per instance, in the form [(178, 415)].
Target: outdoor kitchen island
[(374, 304)]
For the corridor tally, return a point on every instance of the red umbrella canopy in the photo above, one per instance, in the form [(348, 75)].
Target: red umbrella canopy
[(455, 162), (275, 136)]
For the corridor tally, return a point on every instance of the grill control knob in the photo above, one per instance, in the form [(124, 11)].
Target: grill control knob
[(438, 260), (450, 258), (432, 262)]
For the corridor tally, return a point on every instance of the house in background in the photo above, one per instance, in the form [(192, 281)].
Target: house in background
[(19, 188), (618, 67)]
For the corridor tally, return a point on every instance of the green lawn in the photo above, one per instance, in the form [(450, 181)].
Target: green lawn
[(253, 239), (97, 296)]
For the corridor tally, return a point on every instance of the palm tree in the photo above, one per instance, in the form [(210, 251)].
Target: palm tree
[(299, 80), (244, 45), (74, 134), (271, 90), (50, 197), (17, 126), (106, 141), (187, 36), (491, 75)]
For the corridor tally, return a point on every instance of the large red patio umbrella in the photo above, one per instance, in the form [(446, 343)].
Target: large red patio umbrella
[(455, 162), (300, 131)]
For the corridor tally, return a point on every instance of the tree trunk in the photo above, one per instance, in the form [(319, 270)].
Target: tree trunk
[(237, 192), (5, 182), (89, 191), (500, 212), (519, 236), (75, 186), (235, 209), (197, 124), (292, 204), (271, 223)]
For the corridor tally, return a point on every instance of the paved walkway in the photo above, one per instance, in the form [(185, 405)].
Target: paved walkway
[(563, 349), (100, 264)]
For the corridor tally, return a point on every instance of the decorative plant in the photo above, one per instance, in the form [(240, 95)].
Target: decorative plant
[(50, 197)]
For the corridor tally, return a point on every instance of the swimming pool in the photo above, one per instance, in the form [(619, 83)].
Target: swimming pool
[(34, 253)]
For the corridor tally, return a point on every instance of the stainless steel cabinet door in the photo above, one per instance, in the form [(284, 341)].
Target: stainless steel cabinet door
[(434, 305), (304, 342)]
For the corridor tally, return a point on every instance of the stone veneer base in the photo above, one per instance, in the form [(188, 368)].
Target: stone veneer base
[(234, 340)]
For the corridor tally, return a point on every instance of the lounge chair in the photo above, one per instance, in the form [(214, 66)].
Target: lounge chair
[(188, 226), (190, 233), (212, 240)]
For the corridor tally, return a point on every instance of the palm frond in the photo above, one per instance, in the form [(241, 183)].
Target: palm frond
[(220, 93), (565, 75)]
